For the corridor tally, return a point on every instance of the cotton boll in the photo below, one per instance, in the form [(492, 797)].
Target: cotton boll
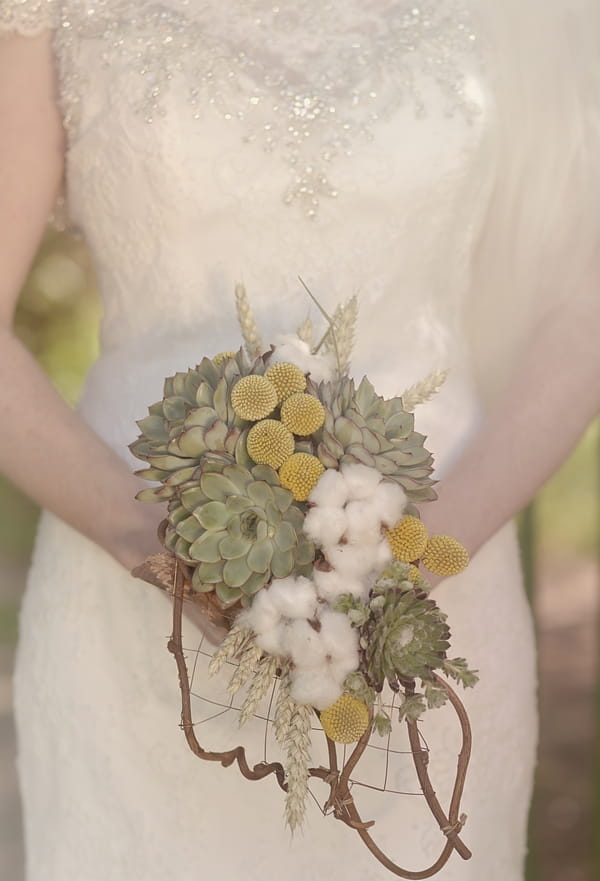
[(354, 561), (364, 522), (391, 500), (382, 555), (291, 348), (293, 597), (325, 525), (331, 585), (274, 639), (338, 637), (331, 490), (361, 481), (314, 688), (262, 614), (304, 645), (339, 668)]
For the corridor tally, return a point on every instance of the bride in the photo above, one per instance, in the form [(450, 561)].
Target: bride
[(439, 158)]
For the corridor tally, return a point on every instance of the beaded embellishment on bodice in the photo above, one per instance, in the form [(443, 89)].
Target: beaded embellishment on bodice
[(306, 80)]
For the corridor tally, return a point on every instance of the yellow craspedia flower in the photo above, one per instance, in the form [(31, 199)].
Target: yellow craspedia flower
[(407, 539), (253, 397), (270, 443), (302, 414), (222, 356), (287, 379), (300, 474), (445, 555), (346, 720)]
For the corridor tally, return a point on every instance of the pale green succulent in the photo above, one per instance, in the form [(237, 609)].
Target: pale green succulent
[(195, 420), (239, 528), (406, 635), (360, 426)]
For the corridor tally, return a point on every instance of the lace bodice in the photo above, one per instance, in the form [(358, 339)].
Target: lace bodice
[(213, 142)]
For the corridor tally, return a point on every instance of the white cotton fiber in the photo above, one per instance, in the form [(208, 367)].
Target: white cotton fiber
[(293, 597), (331, 585), (338, 637), (364, 522), (304, 645), (273, 639), (289, 347), (382, 555), (331, 490), (339, 668), (361, 481), (353, 561), (314, 688), (391, 500), (325, 525), (262, 614)]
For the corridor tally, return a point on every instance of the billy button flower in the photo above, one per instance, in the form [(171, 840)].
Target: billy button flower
[(444, 555), (300, 474), (303, 414), (346, 720), (253, 397), (407, 539), (270, 443), (287, 379)]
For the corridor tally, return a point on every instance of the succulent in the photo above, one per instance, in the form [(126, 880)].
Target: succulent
[(360, 426), (195, 420), (406, 635), (239, 528)]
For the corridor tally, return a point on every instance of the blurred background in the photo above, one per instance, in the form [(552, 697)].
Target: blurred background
[(58, 320)]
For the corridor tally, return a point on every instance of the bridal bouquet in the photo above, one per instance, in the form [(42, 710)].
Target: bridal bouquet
[(292, 509)]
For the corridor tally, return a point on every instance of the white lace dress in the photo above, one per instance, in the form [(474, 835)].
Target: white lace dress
[(349, 142)]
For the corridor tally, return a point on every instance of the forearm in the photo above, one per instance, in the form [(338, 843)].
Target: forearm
[(57, 460), (553, 394)]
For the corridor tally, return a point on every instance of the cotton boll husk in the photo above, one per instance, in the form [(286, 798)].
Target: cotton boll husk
[(314, 688), (325, 525), (293, 597), (391, 501), (361, 481), (304, 645), (338, 637), (331, 585), (364, 522), (331, 490)]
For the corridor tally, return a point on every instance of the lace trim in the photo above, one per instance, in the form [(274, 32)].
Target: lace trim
[(27, 17)]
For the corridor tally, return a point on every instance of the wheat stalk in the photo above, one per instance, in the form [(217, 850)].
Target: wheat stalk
[(298, 760), (261, 684), (343, 331), (245, 669), (424, 390), (305, 332), (284, 707), (248, 326), (236, 640)]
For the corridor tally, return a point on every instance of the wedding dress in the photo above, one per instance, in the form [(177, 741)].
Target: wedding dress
[(350, 143)]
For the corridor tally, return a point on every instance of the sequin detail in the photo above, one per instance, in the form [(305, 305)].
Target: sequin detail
[(27, 17), (308, 82)]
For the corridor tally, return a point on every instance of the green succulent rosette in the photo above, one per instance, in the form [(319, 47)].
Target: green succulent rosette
[(228, 518), (240, 529), (362, 427)]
